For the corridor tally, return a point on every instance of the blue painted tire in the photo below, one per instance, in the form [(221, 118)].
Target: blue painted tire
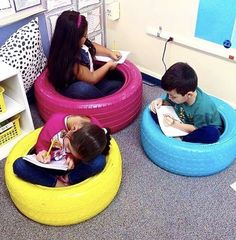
[(190, 159)]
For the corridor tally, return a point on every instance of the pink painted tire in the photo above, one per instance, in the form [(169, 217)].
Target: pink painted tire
[(115, 111)]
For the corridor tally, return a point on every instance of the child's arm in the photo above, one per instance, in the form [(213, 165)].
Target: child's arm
[(83, 74), (103, 51), (157, 103), (70, 162), (169, 121), (53, 125)]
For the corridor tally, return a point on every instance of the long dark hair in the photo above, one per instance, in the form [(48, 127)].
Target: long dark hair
[(65, 48), (90, 141)]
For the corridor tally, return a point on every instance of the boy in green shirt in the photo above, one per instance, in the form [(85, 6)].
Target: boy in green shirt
[(198, 113)]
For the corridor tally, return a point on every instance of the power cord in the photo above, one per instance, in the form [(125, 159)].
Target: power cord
[(170, 39)]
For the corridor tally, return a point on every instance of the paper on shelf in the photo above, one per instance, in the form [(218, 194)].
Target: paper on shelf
[(124, 55), (169, 131), (59, 165), (233, 185), (85, 3)]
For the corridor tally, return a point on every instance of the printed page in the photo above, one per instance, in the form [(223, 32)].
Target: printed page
[(60, 165), (54, 4), (85, 3), (97, 39), (6, 8), (233, 185), (53, 21), (23, 4), (124, 55), (94, 19), (169, 131), (5, 4)]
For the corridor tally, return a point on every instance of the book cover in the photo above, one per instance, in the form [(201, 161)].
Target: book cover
[(59, 165), (169, 130)]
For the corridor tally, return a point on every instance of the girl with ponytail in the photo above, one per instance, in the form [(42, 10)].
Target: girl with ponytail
[(80, 140)]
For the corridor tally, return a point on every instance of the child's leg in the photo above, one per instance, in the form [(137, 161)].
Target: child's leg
[(82, 90), (108, 87), (154, 117), (35, 174), (83, 171), (112, 82), (206, 134)]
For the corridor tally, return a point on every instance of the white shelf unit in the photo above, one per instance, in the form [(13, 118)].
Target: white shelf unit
[(16, 104)]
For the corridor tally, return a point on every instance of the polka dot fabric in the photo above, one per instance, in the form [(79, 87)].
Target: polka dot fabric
[(23, 51)]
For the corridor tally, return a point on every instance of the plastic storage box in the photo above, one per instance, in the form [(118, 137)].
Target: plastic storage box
[(9, 129), (2, 102)]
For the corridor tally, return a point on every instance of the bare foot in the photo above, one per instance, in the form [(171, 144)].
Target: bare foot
[(60, 184), (62, 181)]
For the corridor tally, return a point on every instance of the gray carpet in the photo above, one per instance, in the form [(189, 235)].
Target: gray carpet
[(151, 204)]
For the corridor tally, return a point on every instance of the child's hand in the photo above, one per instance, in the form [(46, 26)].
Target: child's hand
[(42, 157), (70, 163), (168, 120), (155, 104), (115, 55), (112, 65)]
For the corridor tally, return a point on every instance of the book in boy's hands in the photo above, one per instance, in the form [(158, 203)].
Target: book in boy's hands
[(169, 130), (124, 55), (59, 165)]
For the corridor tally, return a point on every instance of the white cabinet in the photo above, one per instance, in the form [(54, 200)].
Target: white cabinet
[(16, 105)]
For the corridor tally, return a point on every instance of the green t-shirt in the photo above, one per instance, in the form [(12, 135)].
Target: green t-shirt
[(201, 113)]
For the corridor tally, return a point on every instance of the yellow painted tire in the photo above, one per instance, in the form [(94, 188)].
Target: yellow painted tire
[(66, 205)]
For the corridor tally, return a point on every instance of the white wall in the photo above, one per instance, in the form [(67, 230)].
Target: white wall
[(217, 75)]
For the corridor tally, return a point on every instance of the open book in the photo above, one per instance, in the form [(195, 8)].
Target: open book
[(59, 165), (124, 55), (169, 130)]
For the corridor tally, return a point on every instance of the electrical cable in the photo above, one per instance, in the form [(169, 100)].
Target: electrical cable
[(164, 51)]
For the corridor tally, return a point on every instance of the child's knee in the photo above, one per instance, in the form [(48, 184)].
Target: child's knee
[(214, 134), (19, 166), (211, 134)]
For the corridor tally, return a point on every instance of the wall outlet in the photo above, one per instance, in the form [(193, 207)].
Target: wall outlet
[(154, 31), (158, 32), (113, 11)]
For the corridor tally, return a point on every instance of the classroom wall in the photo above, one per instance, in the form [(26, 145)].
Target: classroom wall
[(216, 74)]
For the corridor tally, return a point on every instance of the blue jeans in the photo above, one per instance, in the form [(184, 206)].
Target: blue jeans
[(83, 90), (48, 177), (206, 134)]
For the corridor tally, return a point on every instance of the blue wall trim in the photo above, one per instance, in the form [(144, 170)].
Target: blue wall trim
[(151, 80), (8, 30)]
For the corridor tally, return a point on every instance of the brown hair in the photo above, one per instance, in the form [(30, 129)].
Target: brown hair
[(90, 141), (180, 77)]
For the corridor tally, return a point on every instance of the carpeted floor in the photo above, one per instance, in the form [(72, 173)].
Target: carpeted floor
[(151, 204)]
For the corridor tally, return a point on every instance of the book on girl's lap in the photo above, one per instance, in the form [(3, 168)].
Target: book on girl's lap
[(124, 55), (169, 130), (59, 165)]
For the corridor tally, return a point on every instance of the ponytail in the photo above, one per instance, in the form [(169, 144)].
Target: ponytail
[(89, 141)]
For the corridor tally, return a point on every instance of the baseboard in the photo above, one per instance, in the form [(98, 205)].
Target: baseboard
[(149, 77), (149, 80)]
